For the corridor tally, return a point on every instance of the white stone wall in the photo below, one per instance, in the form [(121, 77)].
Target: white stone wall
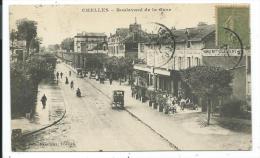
[(182, 59)]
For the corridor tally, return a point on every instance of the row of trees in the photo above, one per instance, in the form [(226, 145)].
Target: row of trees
[(67, 44), (25, 75), (118, 67)]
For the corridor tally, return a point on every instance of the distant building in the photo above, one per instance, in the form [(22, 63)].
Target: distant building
[(18, 50), (87, 42), (124, 43)]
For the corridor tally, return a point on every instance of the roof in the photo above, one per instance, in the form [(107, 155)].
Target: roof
[(193, 34), (182, 35), (86, 34)]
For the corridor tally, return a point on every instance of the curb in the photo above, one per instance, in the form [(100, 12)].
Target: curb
[(43, 128)]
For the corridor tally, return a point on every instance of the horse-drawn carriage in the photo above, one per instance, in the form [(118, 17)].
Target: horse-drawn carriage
[(79, 73)]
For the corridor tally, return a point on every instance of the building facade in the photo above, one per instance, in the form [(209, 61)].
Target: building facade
[(86, 42), (18, 50), (241, 84), (164, 63), (124, 43), (194, 47)]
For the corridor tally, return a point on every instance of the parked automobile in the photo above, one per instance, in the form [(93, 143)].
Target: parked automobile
[(79, 73), (118, 99), (102, 77)]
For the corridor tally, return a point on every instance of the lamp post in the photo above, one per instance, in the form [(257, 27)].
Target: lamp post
[(211, 87)]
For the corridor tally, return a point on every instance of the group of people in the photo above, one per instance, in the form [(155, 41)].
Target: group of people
[(173, 102), (78, 92)]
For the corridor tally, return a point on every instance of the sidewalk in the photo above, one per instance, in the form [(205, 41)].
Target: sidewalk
[(53, 111)]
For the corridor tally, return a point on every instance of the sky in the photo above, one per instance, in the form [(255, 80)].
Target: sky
[(57, 22)]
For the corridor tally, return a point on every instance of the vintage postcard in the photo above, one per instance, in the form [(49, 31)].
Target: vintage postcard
[(130, 77)]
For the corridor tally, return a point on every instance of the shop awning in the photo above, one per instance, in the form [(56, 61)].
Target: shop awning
[(162, 71), (143, 67), (146, 68)]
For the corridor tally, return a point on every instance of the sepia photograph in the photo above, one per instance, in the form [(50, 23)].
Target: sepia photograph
[(130, 77)]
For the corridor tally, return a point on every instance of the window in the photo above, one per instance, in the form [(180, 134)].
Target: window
[(188, 62), (197, 61), (173, 66), (121, 47), (117, 49), (141, 48), (188, 44), (151, 80), (179, 62)]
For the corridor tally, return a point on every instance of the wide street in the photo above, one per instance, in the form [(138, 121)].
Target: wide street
[(91, 125)]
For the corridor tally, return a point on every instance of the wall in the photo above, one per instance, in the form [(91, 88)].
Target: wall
[(154, 56)]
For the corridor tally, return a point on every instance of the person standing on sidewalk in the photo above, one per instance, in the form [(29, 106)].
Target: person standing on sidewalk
[(182, 103), (110, 78), (57, 75), (43, 100), (61, 74), (67, 80), (72, 85)]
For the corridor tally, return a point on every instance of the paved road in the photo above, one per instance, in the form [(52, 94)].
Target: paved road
[(91, 125)]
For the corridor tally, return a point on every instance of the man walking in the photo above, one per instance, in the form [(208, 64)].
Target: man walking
[(72, 85), (61, 74), (67, 80), (110, 79), (57, 75), (43, 100)]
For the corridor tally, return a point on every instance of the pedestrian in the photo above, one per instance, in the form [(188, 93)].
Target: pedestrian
[(78, 92), (57, 75), (69, 73), (182, 103), (43, 100), (61, 74), (110, 79), (72, 85), (67, 80)]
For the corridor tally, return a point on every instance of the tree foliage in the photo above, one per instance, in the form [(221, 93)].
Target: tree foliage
[(26, 30), (35, 44), (208, 81), (25, 77), (67, 44)]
